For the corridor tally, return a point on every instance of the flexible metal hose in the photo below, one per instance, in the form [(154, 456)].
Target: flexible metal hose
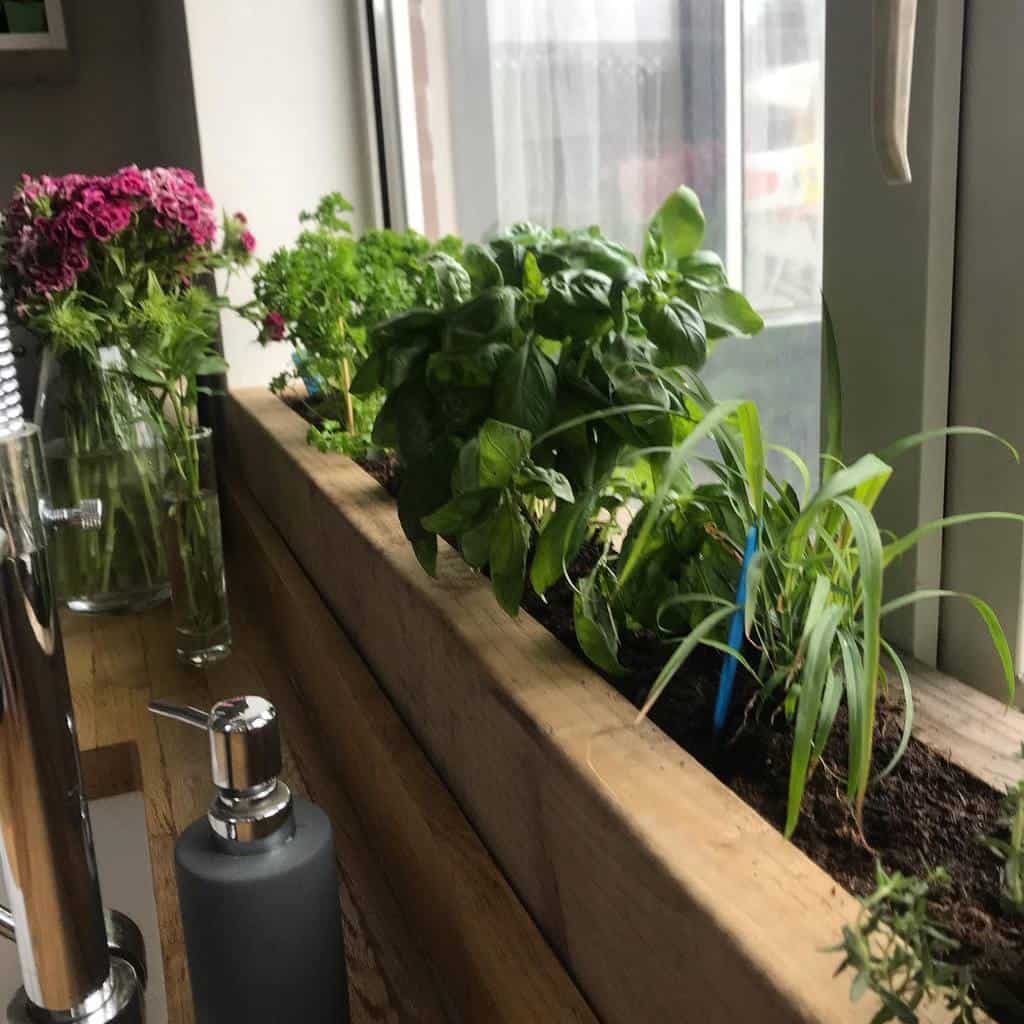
[(12, 419)]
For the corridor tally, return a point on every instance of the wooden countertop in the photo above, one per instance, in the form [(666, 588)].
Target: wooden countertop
[(116, 665)]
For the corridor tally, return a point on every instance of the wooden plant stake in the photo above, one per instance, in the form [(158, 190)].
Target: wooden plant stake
[(346, 377)]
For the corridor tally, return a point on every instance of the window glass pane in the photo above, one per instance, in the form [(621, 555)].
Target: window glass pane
[(576, 112), (783, 112)]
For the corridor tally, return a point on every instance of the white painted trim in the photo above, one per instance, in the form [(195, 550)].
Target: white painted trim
[(734, 156), (389, 114), (55, 38), (376, 212), (408, 127)]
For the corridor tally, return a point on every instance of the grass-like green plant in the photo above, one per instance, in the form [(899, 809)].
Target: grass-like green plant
[(1011, 849), (323, 293), (814, 606), (897, 951), (523, 405), (557, 384)]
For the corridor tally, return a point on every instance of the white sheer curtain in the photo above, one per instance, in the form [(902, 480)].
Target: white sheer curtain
[(576, 112), (586, 99)]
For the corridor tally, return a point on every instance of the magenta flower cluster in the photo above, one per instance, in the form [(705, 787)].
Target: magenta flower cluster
[(274, 326), (52, 224)]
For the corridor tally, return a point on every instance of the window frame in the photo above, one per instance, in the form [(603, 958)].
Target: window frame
[(889, 271)]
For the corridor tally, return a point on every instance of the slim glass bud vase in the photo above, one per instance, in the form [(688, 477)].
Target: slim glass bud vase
[(195, 553)]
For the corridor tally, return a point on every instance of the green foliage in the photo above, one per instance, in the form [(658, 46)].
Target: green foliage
[(324, 292), (332, 434), (1011, 849), (554, 374), (553, 396), (897, 951), (171, 343), (814, 604)]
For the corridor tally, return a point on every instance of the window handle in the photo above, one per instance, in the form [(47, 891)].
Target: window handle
[(892, 69)]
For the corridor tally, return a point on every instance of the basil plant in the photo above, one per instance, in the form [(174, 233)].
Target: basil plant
[(556, 376)]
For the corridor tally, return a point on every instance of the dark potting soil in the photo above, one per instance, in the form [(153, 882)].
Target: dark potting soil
[(926, 813)]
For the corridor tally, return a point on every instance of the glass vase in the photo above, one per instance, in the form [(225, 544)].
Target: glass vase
[(195, 552), (99, 444), (122, 566)]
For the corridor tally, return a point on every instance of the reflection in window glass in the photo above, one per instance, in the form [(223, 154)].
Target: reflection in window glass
[(783, 158), (590, 111)]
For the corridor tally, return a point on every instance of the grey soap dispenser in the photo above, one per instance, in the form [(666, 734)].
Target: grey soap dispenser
[(257, 882)]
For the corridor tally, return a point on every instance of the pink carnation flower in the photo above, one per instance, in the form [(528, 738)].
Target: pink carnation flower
[(54, 229), (274, 326)]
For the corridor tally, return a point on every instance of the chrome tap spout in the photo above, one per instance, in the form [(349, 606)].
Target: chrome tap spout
[(46, 849)]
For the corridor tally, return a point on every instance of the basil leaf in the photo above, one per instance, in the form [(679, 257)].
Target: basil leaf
[(461, 513), (475, 543), (679, 223), (453, 282), (503, 447), (578, 305), (678, 331), (423, 490), (398, 361), (367, 378), (560, 541), (541, 482), (727, 312), (595, 626), (533, 280), (703, 268), (385, 426), (525, 389), (483, 271), (510, 540)]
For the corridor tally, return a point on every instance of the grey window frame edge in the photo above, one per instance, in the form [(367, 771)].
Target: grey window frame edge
[(888, 271)]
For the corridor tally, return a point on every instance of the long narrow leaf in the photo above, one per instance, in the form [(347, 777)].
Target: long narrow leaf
[(908, 712), (601, 414), (801, 468), (829, 709), (906, 542), (869, 553), (755, 574), (753, 456), (720, 645), (988, 616), (853, 678), (813, 677), (714, 418), (681, 599), (833, 452), (841, 482), (679, 656), (897, 448)]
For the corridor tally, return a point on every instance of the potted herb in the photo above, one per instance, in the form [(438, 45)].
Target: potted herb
[(519, 406), (549, 419), (323, 294)]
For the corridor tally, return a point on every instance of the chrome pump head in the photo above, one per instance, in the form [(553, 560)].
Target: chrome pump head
[(71, 972)]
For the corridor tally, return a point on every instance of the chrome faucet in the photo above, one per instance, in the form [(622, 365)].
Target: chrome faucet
[(78, 965)]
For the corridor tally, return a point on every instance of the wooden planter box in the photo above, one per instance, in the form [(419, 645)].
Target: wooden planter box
[(667, 898)]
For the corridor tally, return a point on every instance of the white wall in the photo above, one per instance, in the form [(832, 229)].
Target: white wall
[(98, 120), (281, 117)]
